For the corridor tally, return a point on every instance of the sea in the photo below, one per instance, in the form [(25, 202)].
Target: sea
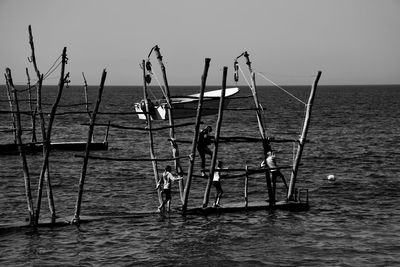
[(353, 220)]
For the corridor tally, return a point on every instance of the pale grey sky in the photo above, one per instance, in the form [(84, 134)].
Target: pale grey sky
[(350, 41)]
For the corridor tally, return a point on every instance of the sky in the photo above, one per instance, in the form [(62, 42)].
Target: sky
[(350, 41)]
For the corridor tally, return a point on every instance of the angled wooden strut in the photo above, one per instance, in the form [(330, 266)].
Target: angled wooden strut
[(172, 138), (217, 133), (195, 137), (266, 145), (76, 218), (302, 140)]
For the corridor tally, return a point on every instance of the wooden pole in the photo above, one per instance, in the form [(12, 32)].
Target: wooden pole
[(85, 89), (148, 121), (302, 140), (33, 115), (107, 131), (246, 187), (33, 57), (25, 169), (195, 137), (87, 150), (174, 145), (44, 174), (46, 137), (217, 133), (10, 102), (266, 145)]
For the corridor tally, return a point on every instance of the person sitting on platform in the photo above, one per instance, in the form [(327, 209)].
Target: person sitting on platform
[(205, 139), (217, 184), (167, 178), (274, 170)]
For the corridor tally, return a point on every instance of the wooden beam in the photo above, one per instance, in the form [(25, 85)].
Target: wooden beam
[(266, 145), (216, 138), (303, 137), (195, 137), (25, 169), (87, 150), (44, 174)]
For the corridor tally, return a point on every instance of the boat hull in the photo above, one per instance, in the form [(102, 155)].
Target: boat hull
[(186, 107)]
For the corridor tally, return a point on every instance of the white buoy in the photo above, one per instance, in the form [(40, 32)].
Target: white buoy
[(331, 177)]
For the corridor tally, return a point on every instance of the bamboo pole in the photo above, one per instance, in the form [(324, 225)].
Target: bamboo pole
[(44, 174), (266, 145), (25, 169), (148, 121), (217, 133), (195, 137), (33, 112), (302, 139), (87, 150), (174, 145)]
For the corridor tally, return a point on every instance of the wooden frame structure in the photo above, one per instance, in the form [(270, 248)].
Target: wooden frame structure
[(293, 201)]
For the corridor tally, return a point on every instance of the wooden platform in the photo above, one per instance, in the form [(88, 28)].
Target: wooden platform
[(253, 206), (12, 149), (227, 208)]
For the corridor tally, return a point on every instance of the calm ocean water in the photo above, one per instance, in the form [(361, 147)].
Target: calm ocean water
[(353, 221)]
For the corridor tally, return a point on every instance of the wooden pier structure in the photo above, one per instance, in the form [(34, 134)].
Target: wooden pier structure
[(296, 199)]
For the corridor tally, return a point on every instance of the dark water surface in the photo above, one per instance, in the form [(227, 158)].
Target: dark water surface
[(353, 221)]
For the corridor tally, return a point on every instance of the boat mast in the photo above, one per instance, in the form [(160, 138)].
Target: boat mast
[(302, 139)]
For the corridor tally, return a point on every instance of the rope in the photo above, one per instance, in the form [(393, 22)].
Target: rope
[(298, 99), (244, 76), (52, 68), (159, 84), (162, 88), (151, 92)]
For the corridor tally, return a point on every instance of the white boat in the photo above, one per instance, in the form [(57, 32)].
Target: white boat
[(186, 106)]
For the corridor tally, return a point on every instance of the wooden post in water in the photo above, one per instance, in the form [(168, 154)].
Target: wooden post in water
[(44, 174), (148, 121), (87, 150), (33, 57), (85, 89), (217, 132), (33, 112), (246, 187), (302, 139), (174, 145), (196, 134), (18, 135), (10, 102), (266, 145), (46, 137)]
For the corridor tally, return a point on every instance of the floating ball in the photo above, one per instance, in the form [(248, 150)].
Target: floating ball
[(331, 177)]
